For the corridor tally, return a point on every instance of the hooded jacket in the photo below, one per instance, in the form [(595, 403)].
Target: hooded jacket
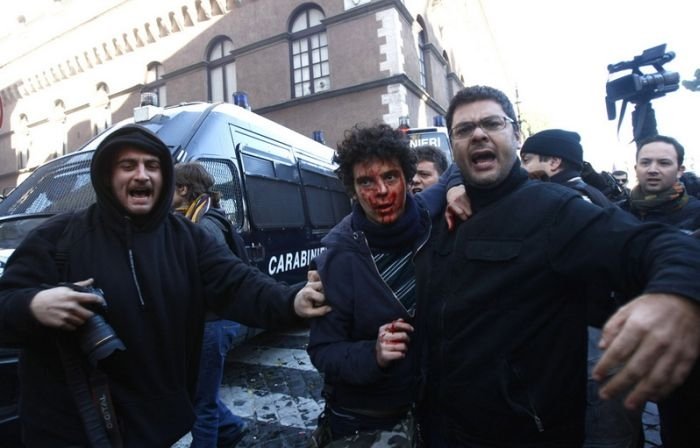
[(159, 273)]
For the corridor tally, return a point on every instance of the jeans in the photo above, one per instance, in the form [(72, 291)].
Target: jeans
[(608, 423), (215, 425)]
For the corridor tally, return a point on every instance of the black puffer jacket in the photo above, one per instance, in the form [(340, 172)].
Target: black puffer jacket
[(506, 330), (159, 274)]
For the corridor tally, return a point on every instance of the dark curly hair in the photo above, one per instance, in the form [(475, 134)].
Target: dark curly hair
[(362, 143), (472, 94)]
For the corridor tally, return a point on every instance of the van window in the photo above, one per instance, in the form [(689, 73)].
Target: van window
[(273, 192), (325, 197), (228, 183), (58, 186)]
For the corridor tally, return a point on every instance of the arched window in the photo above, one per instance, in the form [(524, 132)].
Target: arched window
[(422, 40), (309, 53), (58, 123), (24, 142), (102, 116), (155, 82), (222, 70)]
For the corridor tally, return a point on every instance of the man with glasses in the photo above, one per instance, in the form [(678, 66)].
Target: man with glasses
[(503, 326)]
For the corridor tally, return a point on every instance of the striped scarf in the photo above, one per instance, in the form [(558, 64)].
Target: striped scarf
[(399, 274), (392, 249)]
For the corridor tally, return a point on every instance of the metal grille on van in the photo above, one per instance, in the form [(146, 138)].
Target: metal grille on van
[(228, 183), (59, 186)]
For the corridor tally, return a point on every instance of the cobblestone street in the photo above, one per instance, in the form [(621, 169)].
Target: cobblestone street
[(270, 382)]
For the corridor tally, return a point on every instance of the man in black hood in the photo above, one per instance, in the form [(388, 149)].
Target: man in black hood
[(159, 274)]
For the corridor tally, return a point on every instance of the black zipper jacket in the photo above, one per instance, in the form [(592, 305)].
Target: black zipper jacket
[(505, 327)]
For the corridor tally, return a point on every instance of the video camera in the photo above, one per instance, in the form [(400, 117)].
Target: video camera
[(637, 87)]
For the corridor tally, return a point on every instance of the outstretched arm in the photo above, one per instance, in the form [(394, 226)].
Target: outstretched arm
[(654, 341)]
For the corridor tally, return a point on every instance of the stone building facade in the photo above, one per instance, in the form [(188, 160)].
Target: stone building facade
[(310, 65)]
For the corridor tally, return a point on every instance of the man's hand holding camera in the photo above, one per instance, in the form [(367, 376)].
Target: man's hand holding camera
[(63, 307)]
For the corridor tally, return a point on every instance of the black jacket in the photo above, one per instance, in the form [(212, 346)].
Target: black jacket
[(506, 339), (159, 274)]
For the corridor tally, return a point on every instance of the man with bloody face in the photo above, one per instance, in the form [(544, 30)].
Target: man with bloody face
[(363, 345)]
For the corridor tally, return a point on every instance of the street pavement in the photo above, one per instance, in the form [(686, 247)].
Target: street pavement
[(270, 382)]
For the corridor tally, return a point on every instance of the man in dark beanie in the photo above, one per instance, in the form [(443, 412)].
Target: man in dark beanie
[(158, 273), (558, 153)]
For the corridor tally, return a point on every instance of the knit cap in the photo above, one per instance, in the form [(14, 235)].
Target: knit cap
[(556, 143)]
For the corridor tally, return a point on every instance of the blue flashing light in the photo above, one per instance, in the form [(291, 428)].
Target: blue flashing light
[(319, 137), (241, 99)]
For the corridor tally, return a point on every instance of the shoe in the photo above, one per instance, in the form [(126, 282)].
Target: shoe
[(232, 441)]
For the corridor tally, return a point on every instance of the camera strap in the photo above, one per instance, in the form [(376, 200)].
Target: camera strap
[(102, 400), (92, 398), (88, 385)]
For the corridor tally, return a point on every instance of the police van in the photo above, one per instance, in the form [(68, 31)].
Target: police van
[(277, 186), (436, 135)]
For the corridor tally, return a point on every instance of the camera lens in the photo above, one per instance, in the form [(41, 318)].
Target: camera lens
[(98, 339)]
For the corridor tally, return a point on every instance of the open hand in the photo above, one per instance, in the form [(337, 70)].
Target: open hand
[(654, 341)]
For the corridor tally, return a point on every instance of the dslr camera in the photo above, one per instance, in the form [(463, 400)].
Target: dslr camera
[(637, 87), (97, 339)]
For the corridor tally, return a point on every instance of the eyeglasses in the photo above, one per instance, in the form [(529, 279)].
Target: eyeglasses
[(493, 123)]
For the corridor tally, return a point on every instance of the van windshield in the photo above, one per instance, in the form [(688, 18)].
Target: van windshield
[(58, 186), (63, 184)]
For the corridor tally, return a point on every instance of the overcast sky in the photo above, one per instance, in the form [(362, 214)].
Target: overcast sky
[(557, 53)]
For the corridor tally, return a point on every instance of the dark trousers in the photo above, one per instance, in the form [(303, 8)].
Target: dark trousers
[(608, 423), (680, 414), (215, 424)]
